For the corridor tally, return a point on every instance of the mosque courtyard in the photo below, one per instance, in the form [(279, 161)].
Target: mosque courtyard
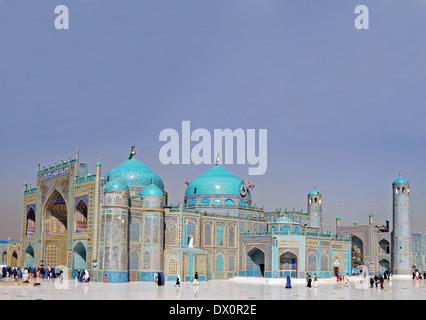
[(235, 289)]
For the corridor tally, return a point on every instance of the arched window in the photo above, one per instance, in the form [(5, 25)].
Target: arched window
[(134, 230), (229, 202), (217, 202), (147, 204), (192, 233), (81, 217), (219, 235), (30, 222), (192, 202), (242, 203), (205, 202)]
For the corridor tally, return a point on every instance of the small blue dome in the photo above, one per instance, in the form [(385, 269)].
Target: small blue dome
[(135, 174), (151, 191), (400, 180), (314, 193), (116, 185), (216, 181)]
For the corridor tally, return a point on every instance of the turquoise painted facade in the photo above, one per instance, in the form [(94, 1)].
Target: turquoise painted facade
[(121, 227)]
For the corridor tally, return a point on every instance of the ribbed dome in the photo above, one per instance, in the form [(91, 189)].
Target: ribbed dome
[(116, 185), (216, 181), (400, 180), (314, 193), (151, 191), (135, 174)]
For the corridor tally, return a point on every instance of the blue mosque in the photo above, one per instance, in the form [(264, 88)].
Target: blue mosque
[(121, 226)]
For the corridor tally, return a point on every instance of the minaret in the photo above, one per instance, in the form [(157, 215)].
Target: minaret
[(96, 211), (401, 233), (315, 209), (77, 163), (371, 242), (337, 226)]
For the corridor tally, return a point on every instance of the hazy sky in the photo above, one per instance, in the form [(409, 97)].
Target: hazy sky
[(344, 108)]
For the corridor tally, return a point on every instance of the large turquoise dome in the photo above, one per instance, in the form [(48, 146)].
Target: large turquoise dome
[(216, 181), (135, 174)]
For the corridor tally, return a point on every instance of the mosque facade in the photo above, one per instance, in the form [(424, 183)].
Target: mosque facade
[(121, 226)]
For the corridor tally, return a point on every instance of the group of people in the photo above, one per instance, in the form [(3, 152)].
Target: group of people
[(418, 275), (309, 280), (379, 279), (29, 273), (82, 276), (194, 282)]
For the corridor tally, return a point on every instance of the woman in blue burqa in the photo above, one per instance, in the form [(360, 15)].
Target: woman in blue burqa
[(288, 284)]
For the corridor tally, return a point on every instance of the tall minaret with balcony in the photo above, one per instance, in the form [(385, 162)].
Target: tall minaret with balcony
[(315, 209), (401, 233)]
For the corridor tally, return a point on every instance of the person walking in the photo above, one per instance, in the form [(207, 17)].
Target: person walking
[(382, 282), (315, 280), (309, 281), (196, 279), (288, 284), (177, 281)]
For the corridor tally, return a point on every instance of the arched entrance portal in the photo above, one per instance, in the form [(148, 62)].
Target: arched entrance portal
[(29, 257), (79, 258), (288, 264), (357, 252), (54, 230), (383, 266), (14, 260), (255, 263)]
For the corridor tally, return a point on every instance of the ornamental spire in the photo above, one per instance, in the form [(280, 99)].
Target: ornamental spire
[(218, 158), (132, 153)]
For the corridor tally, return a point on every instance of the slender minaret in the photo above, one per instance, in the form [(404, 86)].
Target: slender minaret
[(77, 163), (401, 233), (96, 211), (337, 226), (315, 209), (371, 247)]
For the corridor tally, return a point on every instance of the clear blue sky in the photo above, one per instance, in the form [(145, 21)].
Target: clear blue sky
[(344, 108)]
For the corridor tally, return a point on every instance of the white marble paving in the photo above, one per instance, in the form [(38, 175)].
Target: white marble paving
[(235, 289)]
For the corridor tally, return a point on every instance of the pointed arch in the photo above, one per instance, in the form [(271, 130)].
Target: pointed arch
[(54, 227), (29, 257), (30, 229), (79, 256), (255, 262), (81, 216)]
